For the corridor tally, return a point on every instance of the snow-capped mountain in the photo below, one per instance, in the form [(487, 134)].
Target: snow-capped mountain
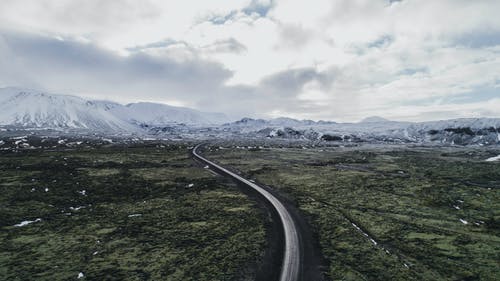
[(35, 109), (276, 122), (156, 114), (484, 131), (461, 131), (473, 123), (29, 109)]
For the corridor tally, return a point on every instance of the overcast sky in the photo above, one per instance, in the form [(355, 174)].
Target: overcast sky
[(335, 60)]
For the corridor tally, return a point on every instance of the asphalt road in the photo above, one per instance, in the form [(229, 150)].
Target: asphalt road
[(291, 266)]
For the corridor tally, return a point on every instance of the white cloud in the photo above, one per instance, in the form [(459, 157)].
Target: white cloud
[(330, 59)]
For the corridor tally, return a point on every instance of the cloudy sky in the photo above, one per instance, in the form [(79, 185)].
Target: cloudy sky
[(336, 60)]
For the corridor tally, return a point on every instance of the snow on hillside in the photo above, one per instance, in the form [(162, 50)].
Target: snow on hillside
[(369, 125), (250, 123), (473, 123), (29, 109), (480, 131), (492, 159), (35, 109), (161, 114)]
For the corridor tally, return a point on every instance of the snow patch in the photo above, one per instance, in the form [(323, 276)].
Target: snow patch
[(20, 141), (492, 159), (24, 223)]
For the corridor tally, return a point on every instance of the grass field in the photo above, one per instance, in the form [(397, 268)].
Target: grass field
[(144, 213), (389, 213)]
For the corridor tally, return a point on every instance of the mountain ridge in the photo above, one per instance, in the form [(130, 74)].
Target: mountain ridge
[(37, 109), (29, 109)]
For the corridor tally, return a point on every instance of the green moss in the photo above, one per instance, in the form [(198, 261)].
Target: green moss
[(138, 218), (93, 172), (404, 198)]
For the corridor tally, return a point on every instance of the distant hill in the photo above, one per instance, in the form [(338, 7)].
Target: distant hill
[(374, 119), (162, 114), (36, 109)]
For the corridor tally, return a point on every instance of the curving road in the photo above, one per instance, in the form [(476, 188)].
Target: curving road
[(290, 270)]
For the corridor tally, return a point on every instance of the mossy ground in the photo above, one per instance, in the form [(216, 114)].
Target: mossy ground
[(433, 211), (142, 213)]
